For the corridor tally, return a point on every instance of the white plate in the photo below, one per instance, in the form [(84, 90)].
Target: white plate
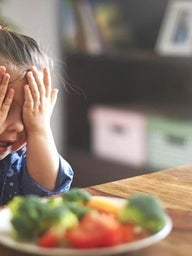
[(7, 239)]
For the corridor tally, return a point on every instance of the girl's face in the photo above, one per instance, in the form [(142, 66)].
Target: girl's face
[(12, 132)]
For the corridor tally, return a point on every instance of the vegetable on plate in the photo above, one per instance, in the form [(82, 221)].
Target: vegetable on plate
[(78, 220)]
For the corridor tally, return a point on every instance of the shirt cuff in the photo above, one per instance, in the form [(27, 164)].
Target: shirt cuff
[(63, 182)]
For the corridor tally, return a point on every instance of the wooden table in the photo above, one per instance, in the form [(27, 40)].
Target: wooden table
[(174, 188)]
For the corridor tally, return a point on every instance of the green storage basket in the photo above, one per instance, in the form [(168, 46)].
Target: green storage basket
[(169, 142)]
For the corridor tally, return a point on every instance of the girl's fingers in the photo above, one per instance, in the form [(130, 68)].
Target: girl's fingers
[(39, 89), (2, 72), (6, 95), (28, 103), (8, 101), (3, 87), (39, 81), (54, 93), (2, 69), (47, 82), (34, 91)]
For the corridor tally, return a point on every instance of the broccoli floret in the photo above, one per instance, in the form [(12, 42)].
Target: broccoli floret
[(32, 216), (67, 220), (76, 195), (15, 203), (78, 209), (28, 215), (144, 210), (55, 201)]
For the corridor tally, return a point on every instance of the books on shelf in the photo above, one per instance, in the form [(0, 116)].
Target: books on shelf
[(68, 25), (114, 30), (90, 31), (93, 26), (79, 28)]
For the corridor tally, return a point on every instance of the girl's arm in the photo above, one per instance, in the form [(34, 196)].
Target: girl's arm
[(42, 156)]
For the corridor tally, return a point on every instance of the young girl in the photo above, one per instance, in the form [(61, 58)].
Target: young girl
[(29, 161)]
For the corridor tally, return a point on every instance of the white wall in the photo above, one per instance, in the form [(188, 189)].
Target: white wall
[(39, 19)]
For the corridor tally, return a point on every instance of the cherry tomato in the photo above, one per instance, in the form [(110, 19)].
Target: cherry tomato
[(95, 230), (49, 239)]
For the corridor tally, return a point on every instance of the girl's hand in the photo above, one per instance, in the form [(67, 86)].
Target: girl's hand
[(39, 101), (6, 95)]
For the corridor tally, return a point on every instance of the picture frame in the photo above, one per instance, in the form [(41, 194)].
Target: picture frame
[(175, 36)]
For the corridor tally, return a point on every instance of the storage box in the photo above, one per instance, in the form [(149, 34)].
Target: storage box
[(169, 142), (118, 134)]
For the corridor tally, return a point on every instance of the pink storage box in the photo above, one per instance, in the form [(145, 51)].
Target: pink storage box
[(118, 134)]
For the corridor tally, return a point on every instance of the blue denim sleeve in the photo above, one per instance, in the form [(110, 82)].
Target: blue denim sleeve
[(63, 184)]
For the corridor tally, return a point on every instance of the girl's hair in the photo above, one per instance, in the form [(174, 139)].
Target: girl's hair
[(21, 50)]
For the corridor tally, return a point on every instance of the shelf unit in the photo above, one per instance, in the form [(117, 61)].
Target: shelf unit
[(135, 77)]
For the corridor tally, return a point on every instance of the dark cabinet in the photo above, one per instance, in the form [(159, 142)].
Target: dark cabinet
[(135, 77)]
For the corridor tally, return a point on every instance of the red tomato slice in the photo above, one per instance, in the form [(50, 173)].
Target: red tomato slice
[(127, 232), (49, 239), (95, 230)]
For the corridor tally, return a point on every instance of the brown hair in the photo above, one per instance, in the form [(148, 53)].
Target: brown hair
[(21, 50)]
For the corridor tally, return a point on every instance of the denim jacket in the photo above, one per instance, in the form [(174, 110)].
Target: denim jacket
[(15, 180)]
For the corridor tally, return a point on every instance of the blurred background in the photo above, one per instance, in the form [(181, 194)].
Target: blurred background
[(124, 106)]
